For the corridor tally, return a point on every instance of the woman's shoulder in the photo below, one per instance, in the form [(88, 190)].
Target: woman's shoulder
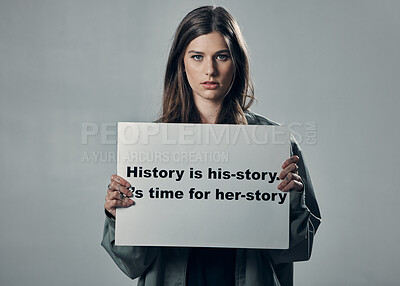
[(257, 119)]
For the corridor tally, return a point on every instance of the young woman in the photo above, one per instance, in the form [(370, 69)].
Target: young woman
[(207, 81)]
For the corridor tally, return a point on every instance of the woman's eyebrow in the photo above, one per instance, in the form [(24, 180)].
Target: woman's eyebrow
[(194, 52), (218, 52)]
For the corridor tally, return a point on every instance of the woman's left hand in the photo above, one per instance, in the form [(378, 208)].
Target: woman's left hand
[(291, 181)]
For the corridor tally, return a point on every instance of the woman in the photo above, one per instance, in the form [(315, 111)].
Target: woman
[(207, 81)]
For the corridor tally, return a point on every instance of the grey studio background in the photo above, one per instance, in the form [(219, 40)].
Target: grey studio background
[(331, 65)]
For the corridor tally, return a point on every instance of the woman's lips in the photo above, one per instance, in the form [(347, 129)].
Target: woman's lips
[(210, 85)]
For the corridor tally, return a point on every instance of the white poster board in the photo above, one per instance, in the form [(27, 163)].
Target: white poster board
[(203, 185)]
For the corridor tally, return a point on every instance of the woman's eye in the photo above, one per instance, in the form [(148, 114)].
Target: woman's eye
[(222, 57), (197, 57)]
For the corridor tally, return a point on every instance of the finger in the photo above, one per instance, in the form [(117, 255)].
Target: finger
[(292, 168), (116, 187), (293, 159), (120, 181), (118, 196), (286, 180), (293, 185), (290, 177)]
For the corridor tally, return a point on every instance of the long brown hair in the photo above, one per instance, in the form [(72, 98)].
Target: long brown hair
[(178, 104)]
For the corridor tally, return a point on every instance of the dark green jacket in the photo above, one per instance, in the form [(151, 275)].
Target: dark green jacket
[(158, 266)]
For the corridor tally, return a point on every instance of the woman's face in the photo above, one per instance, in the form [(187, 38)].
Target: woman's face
[(209, 67)]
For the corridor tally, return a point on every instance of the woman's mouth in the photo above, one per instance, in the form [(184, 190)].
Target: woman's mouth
[(210, 84)]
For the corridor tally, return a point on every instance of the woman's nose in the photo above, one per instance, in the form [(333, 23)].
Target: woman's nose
[(210, 68)]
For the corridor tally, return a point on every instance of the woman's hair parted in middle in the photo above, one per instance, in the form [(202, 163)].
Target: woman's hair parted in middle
[(178, 104)]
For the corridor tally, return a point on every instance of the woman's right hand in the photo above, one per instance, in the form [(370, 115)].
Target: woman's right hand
[(118, 194)]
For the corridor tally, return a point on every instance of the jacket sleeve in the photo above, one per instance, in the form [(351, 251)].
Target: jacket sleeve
[(132, 260), (304, 218)]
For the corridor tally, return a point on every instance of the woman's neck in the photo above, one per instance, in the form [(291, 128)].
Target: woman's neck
[(208, 110)]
